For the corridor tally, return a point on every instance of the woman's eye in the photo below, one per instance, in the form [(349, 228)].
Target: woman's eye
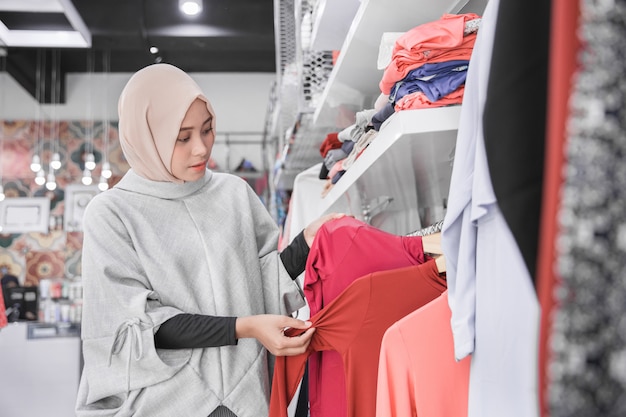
[(183, 140), (207, 131)]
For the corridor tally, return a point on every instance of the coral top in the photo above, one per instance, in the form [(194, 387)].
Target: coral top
[(437, 41), (417, 372)]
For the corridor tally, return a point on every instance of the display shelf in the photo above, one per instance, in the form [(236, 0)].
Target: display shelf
[(353, 83), (331, 22), (410, 163)]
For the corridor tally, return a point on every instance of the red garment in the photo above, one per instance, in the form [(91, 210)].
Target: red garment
[(417, 372), (565, 45), (344, 250), (330, 142), (353, 325), (437, 41), (3, 313), (347, 248)]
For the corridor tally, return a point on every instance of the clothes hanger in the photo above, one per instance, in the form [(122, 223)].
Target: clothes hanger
[(428, 230), (431, 239), (440, 261), (432, 244)]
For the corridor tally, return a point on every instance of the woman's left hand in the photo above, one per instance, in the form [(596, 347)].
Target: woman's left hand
[(311, 230)]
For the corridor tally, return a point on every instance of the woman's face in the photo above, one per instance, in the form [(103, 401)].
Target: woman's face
[(194, 143)]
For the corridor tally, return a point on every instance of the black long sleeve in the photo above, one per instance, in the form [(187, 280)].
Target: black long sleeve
[(294, 256), (185, 331)]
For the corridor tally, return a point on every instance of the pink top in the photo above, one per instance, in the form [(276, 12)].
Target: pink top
[(344, 250)]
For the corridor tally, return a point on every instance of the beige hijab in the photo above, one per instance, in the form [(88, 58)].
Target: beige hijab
[(151, 108)]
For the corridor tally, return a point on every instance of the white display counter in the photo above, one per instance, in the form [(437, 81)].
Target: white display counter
[(40, 365)]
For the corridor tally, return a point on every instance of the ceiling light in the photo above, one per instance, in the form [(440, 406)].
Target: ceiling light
[(190, 7), (35, 164), (90, 161), (40, 179), (51, 182), (106, 170), (87, 179), (55, 162), (154, 50), (103, 185)]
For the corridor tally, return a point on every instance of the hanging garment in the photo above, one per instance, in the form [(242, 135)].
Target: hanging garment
[(515, 120), (495, 312), (565, 46), (353, 325), (588, 339), (345, 249), (303, 204), (417, 373), (3, 313)]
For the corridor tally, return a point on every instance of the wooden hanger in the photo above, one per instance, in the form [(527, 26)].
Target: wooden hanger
[(432, 243), (440, 261)]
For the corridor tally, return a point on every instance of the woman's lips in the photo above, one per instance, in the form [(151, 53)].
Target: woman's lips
[(199, 166)]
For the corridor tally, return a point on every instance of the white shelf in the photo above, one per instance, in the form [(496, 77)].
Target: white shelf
[(410, 160), (331, 23), (355, 77)]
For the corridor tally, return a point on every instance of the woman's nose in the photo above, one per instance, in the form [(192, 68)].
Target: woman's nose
[(199, 147)]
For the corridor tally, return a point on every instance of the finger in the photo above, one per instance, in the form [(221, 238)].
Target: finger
[(297, 324), (297, 344)]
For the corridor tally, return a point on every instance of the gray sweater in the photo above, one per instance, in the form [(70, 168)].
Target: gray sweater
[(153, 250)]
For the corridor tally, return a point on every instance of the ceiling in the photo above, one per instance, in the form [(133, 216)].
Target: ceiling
[(228, 36)]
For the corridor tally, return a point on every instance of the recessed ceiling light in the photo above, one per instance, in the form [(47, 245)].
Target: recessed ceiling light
[(154, 50), (190, 7)]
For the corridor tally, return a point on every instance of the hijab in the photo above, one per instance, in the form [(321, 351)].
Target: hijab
[(151, 109)]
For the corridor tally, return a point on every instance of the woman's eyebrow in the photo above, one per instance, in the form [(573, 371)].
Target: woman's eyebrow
[(203, 123)]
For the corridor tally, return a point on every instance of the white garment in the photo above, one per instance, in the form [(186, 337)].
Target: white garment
[(495, 311), (306, 200)]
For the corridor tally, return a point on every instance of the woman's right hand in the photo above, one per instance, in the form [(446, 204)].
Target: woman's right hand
[(269, 329)]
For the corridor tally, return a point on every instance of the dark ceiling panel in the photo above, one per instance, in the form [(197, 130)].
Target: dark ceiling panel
[(228, 36), (35, 21)]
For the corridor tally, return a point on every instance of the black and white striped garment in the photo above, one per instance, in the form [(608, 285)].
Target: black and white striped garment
[(587, 373)]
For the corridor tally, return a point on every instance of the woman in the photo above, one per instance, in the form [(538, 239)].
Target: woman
[(184, 290)]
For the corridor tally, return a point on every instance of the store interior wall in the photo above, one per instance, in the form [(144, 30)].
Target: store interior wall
[(240, 101)]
